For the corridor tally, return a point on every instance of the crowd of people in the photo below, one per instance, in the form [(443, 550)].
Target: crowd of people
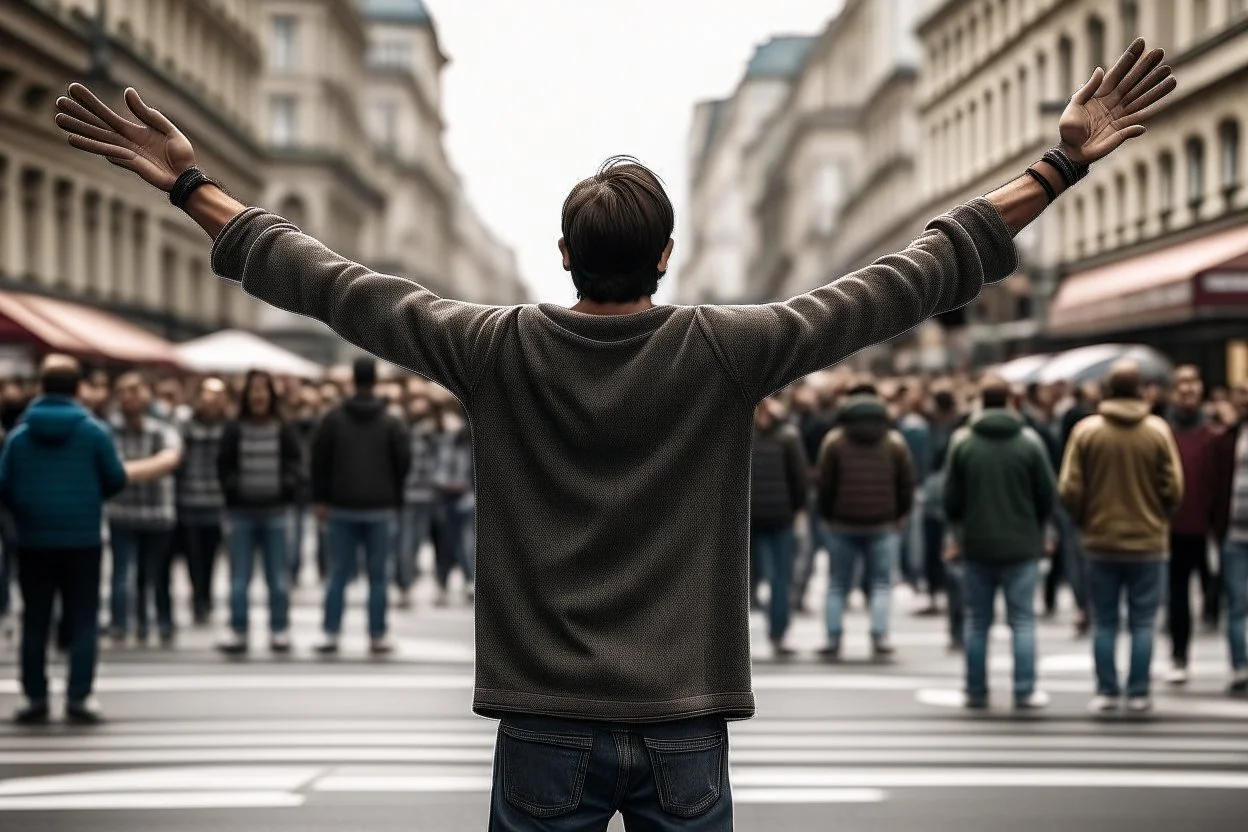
[(1128, 488), (355, 476), (959, 487)]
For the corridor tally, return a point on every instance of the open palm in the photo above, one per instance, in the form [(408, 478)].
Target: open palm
[(1112, 107), (154, 149)]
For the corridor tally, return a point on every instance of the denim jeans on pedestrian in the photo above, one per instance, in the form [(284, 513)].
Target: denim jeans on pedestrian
[(878, 551), (347, 533), (74, 576), (814, 539), (151, 550), (453, 520), (267, 531), (1017, 582), (1235, 582), (415, 523), (199, 543), (955, 588), (558, 775), (775, 550), (1141, 581)]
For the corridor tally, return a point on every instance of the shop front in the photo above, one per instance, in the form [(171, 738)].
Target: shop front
[(1188, 300)]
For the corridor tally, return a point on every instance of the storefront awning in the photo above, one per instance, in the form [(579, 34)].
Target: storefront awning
[(1173, 284), (56, 325)]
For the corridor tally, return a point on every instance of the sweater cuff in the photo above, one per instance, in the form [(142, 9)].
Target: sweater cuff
[(233, 243), (992, 236)]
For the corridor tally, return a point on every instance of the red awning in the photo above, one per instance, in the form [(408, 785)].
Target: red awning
[(63, 326), (1157, 287)]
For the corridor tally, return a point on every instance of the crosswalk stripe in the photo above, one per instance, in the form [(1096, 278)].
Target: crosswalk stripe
[(153, 800)]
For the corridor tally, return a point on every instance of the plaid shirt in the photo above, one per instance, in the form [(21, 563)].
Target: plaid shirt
[(145, 505), (200, 500)]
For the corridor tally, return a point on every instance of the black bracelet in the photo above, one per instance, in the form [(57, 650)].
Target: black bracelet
[(1044, 183), (1070, 170), (185, 184)]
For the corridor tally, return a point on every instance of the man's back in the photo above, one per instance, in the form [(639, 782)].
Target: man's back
[(1122, 479), (360, 456)]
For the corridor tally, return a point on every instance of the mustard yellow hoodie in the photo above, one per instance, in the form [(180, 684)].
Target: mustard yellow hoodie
[(1122, 480)]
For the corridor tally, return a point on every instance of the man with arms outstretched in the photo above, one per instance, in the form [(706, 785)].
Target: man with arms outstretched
[(612, 623)]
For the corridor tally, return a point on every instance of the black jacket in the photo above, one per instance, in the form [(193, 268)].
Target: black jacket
[(292, 473), (778, 475), (360, 456)]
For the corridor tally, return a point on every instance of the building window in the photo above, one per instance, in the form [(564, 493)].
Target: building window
[(284, 44), (1096, 43), (1025, 106), (829, 184), (1081, 228), (1195, 152), (168, 280), (1066, 67), (1228, 154), (1200, 17), (989, 117), (1042, 78), (391, 53), (989, 32), (283, 116), (1006, 122), (972, 41), (1165, 187), (1129, 14), (1237, 8)]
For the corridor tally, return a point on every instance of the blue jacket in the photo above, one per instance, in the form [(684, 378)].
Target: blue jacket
[(58, 467)]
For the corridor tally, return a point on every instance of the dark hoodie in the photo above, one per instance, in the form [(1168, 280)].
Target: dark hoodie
[(360, 456), (865, 474), (777, 477), (999, 488), (58, 467)]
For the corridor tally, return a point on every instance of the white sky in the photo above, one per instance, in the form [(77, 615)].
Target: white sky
[(539, 92)]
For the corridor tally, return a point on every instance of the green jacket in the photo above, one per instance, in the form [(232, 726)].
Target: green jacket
[(999, 489)]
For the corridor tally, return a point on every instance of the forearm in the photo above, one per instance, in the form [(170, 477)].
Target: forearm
[(153, 467), (212, 208), (1023, 199)]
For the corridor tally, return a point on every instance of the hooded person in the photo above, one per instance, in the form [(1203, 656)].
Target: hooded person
[(58, 467)]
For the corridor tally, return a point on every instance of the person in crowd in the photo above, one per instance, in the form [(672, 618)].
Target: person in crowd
[(57, 469), (305, 419), (915, 558), (1230, 528), (1122, 480), (866, 488), (813, 417), (261, 467), (999, 490), (170, 401), (1069, 562), (419, 493), (199, 498), (142, 517), (1191, 526), (778, 479), (360, 459), (455, 500), (13, 403)]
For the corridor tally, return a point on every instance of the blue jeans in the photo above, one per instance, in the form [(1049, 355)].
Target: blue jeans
[(775, 551), (415, 522), (878, 551), (558, 775), (1107, 581), (1235, 580), (1017, 581), (245, 532), (453, 527), (152, 551), (347, 532)]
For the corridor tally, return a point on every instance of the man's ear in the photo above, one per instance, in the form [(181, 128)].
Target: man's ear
[(567, 258), (667, 253)]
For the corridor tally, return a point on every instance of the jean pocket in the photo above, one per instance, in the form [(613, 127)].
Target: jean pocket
[(543, 773), (688, 773)]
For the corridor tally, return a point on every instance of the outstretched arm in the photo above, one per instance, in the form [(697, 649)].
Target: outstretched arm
[(768, 346), (394, 318)]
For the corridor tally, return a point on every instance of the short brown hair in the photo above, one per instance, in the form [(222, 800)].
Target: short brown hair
[(616, 225)]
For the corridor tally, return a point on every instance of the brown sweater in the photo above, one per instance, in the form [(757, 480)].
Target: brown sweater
[(613, 452)]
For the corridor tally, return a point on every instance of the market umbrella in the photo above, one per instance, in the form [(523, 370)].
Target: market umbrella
[(1022, 370), (234, 351), (1093, 363)]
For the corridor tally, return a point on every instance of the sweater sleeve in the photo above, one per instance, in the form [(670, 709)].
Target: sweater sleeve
[(447, 341), (768, 346)]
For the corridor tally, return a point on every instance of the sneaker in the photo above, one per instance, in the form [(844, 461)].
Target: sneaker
[(381, 646), (781, 650), (831, 653), (233, 644), (974, 703), (1239, 683), (328, 645), (1102, 704), (881, 648), (280, 642), (86, 712), (1037, 700), (1178, 674), (1139, 704), (32, 713)]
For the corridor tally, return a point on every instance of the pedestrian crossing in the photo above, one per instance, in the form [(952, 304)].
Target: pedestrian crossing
[(288, 763)]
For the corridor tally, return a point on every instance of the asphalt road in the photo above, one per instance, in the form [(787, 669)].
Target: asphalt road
[(198, 742)]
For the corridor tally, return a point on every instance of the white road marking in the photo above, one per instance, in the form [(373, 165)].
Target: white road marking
[(1016, 778), (152, 800), (164, 779), (809, 796)]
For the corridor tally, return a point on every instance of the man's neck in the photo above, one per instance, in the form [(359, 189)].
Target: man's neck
[(592, 307)]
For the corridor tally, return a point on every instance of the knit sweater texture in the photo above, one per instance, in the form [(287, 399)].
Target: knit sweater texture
[(612, 452)]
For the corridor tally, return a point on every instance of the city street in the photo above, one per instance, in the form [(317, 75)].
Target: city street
[(198, 742)]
